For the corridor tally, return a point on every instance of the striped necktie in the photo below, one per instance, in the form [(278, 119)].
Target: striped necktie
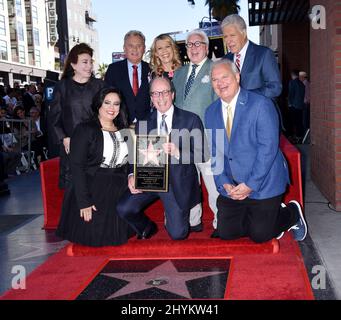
[(163, 126), (238, 56), (190, 80)]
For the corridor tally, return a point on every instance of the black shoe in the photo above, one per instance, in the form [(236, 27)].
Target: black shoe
[(215, 234), (150, 230), (197, 228)]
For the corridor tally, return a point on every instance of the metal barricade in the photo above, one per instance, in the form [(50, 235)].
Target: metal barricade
[(17, 135)]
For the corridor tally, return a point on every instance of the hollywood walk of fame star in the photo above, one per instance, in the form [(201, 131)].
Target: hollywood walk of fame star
[(165, 277), (151, 154)]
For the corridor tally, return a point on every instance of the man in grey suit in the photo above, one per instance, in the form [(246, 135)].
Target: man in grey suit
[(194, 93)]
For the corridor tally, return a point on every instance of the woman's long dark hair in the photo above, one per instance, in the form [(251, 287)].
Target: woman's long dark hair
[(73, 58), (121, 121)]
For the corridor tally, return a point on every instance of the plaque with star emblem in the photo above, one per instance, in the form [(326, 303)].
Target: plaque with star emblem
[(151, 163)]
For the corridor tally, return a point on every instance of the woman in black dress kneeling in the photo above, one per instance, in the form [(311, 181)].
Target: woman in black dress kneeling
[(99, 163)]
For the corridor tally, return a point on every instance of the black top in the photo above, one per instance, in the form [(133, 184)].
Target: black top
[(72, 105)]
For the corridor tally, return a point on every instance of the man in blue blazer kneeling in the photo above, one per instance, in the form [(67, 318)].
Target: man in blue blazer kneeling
[(250, 171)]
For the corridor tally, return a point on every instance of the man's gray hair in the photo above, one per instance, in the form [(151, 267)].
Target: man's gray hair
[(234, 19), (200, 33), (134, 33), (225, 62)]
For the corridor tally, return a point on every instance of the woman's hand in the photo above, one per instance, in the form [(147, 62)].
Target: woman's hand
[(131, 185), (86, 213), (66, 143)]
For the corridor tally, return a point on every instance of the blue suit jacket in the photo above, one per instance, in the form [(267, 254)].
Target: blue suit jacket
[(182, 177), (117, 76), (252, 155), (260, 71), (201, 94)]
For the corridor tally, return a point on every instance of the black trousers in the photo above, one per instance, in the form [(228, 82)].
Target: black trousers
[(260, 220)]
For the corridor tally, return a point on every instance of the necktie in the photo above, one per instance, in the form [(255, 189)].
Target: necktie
[(238, 55), (135, 80), (190, 80), (229, 121), (163, 126)]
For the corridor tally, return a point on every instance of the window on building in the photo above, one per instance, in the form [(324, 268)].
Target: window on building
[(37, 58), (20, 31), (18, 6), (2, 26), (36, 37), (22, 58), (2, 5), (3, 50), (35, 14)]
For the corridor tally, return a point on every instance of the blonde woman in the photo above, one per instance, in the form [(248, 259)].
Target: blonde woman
[(165, 57)]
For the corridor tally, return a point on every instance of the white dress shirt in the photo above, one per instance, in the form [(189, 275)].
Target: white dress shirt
[(242, 55), (232, 104), (168, 119), (197, 70), (131, 71)]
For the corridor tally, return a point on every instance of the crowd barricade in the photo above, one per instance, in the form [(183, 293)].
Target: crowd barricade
[(17, 136)]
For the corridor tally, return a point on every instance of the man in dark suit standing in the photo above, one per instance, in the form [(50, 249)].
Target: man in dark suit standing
[(28, 98), (183, 193), (250, 171), (257, 64), (296, 94), (130, 76)]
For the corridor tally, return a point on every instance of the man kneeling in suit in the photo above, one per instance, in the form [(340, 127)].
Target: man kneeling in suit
[(250, 171), (186, 147)]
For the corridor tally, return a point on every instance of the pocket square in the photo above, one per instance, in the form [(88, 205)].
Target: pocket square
[(205, 79)]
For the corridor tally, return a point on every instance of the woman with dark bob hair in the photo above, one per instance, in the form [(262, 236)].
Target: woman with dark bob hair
[(99, 175), (71, 104)]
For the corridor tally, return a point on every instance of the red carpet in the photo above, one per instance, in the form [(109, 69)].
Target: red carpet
[(257, 276)]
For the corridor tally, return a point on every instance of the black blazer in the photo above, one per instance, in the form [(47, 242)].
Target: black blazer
[(86, 157), (71, 105), (117, 76), (183, 177)]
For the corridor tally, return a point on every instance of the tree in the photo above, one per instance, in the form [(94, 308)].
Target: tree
[(102, 69), (219, 9)]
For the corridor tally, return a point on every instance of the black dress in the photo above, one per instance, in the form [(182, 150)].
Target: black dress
[(103, 187), (71, 105)]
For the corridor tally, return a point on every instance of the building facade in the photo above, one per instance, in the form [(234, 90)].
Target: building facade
[(76, 21)]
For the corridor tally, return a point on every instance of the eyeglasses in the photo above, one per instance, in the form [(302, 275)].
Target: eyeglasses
[(164, 93), (195, 44)]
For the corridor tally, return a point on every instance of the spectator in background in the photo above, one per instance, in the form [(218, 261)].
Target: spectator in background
[(38, 135), (296, 105), (165, 57), (130, 76), (71, 105), (10, 100), (28, 98), (306, 110)]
